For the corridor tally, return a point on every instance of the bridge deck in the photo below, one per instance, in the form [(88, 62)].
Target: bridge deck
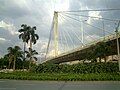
[(70, 55)]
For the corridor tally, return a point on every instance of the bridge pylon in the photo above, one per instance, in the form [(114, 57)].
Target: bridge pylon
[(55, 28)]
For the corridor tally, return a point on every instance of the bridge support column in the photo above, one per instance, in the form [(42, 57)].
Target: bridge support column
[(56, 33)]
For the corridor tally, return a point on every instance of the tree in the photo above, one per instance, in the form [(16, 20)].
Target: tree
[(28, 34), (24, 35), (31, 55), (4, 62), (90, 56), (33, 37), (14, 54), (102, 49)]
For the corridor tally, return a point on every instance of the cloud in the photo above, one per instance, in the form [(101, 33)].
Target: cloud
[(13, 9), (92, 38), (52, 53), (61, 5), (2, 39), (4, 25), (9, 27), (93, 14)]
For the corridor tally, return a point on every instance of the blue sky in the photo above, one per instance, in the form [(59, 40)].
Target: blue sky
[(39, 13)]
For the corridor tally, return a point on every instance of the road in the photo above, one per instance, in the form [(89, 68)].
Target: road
[(55, 85)]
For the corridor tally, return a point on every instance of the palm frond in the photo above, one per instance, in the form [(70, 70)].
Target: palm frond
[(9, 49), (26, 52), (37, 37), (34, 28), (21, 30), (20, 36), (35, 58), (17, 48)]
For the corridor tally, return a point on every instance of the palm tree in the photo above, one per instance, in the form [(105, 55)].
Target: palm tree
[(33, 37), (14, 54), (28, 34), (31, 55), (24, 35)]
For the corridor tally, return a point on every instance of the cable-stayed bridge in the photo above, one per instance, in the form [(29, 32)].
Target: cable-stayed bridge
[(74, 33)]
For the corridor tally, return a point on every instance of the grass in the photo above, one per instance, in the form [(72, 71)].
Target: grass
[(61, 76)]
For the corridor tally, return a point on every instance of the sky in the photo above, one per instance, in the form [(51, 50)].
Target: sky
[(40, 13)]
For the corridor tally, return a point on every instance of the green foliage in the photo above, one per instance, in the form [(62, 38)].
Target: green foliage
[(78, 72), (14, 53), (31, 54), (4, 62), (100, 50), (77, 68), (61, 76), (28, 33)]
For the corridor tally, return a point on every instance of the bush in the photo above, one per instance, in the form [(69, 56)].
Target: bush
[(77, 68)]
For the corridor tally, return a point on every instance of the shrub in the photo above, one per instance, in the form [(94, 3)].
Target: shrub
[(77, 68)]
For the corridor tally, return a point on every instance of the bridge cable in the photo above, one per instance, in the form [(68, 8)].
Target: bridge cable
[(50, 36), (65, 40), (72, 30), (89, 36), (86, 23), (93, 17), (114, 20), (61, 40), (69, 35), (105, 10)]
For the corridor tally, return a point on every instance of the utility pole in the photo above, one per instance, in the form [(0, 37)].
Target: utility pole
[(56, 33), (117, 38)]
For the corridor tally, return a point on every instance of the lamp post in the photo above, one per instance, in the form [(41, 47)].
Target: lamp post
[(118, 50)]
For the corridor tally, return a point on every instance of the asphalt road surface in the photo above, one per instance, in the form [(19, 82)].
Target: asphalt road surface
[(56, 85)]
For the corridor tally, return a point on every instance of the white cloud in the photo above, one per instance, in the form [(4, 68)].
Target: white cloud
[(92, 38), (52, 53), (93, 14), (8, 26), (2, 39), (4, 25), (61, 5)]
